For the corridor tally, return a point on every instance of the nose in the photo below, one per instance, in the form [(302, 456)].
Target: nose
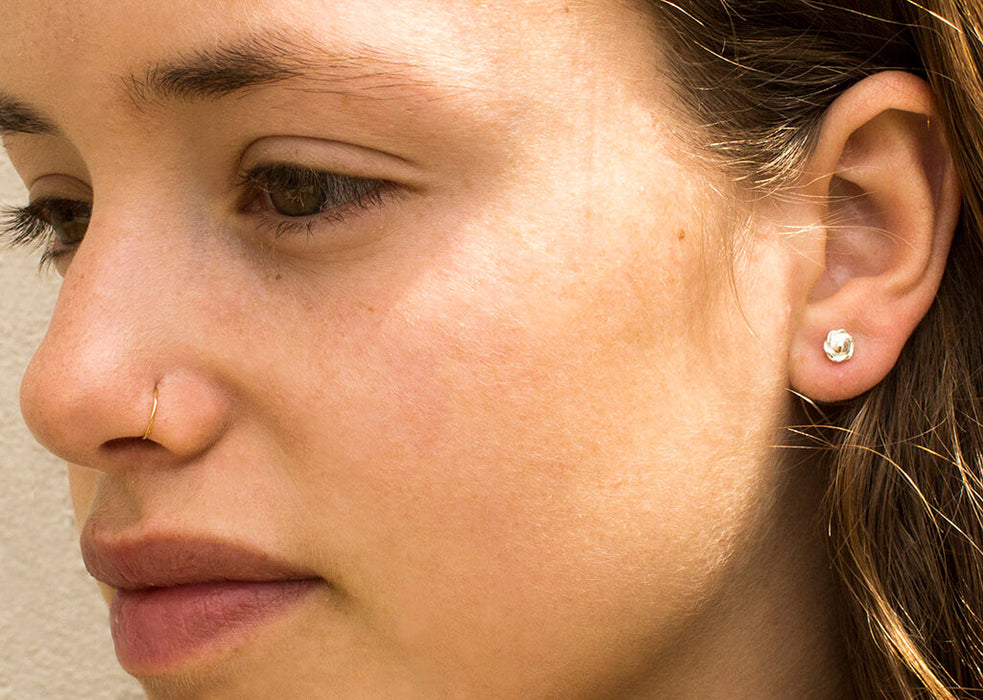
[(125, 345)]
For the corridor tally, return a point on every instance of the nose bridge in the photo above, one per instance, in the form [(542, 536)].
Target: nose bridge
[(119, 331)]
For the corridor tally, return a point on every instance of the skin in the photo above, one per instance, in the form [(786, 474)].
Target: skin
[(520, 415)]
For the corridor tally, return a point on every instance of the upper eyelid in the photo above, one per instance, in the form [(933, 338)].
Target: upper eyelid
[(266, 177), (250, 175), (48, 200), (58, 184), (244, 177)]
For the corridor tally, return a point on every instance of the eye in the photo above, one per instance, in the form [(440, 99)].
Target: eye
[(295, 195), (55, 225), (68, 219), (293, 192)]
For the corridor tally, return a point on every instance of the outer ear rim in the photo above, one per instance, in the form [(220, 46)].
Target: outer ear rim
[(879, 312)]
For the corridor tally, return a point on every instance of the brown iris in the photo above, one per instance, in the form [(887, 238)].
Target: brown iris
[(298, 192), (68, 219), (298, 197)]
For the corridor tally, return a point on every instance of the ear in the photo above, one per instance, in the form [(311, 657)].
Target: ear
[(879, 203)]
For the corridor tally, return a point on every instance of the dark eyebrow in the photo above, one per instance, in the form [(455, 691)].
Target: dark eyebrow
[(250, 62), (263, 59), (18, 118)]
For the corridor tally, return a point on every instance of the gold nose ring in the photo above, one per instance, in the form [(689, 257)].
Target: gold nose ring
[(153, 414)]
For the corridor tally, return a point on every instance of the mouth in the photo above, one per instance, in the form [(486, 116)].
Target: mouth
[(181, 599)]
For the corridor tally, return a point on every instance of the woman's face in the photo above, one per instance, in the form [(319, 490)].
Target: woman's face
[(440, 322)]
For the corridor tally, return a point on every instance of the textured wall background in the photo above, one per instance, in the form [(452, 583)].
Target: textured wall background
[(54, 630)]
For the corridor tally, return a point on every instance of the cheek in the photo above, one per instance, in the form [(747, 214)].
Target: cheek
[(532, 431)]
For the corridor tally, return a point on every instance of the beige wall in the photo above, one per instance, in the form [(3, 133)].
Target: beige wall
[(54, 634)]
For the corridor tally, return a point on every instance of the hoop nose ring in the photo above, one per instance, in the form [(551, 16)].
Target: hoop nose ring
[(153, 414)]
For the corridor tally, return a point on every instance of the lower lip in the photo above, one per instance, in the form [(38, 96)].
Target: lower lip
[(158, 628)]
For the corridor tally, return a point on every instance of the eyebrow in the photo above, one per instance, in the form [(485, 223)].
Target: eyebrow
[(251, 62), (18, 117), (263, 59)]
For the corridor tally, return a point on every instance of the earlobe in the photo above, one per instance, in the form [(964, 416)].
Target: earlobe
[(882, 197)]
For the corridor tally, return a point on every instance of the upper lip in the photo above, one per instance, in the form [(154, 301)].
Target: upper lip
[(136, 563)]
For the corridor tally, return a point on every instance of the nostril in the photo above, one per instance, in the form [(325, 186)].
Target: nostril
[(127, 444), (117, 445)]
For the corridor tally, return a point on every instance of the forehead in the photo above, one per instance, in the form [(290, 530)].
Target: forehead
[(126, 49), (118, 77), (51, 45)]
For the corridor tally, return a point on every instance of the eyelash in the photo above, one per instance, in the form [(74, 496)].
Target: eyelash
[(29, 226), (343, 196)]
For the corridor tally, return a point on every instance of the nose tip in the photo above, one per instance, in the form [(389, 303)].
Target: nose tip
[(83, 420), (73, 404), (116, 337)]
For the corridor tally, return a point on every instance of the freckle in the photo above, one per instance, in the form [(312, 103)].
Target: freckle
[(277, 276), (371, 310), (681, 234)]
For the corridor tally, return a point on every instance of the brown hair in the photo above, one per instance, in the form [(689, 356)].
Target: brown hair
[(905, 460)]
